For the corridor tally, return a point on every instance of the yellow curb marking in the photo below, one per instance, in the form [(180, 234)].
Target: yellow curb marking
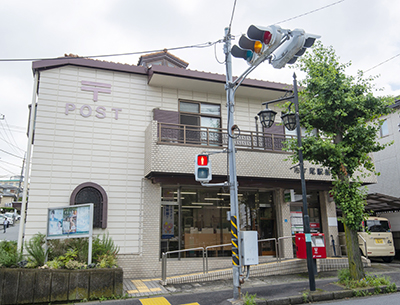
[(141, 287), (155, 301), (160, 301)]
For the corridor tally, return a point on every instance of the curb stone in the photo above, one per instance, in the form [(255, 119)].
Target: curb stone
[(296, 300), (343, 294), (318, 297), (279, 301), (321, 296)]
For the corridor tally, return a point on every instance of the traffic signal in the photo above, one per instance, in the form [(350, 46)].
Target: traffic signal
[(293, 48), (203, 168), (260, 41)]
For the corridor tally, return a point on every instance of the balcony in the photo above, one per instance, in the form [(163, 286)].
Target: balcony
[(186, 135)]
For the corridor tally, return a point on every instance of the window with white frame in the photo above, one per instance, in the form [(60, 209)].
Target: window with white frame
[(384, 129)]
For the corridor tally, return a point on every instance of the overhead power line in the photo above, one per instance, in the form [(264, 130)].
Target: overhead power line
[(383, 62), (6, 152), (310, 12), (200, 45)]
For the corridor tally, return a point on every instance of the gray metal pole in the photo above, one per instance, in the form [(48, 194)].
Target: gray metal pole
[(235, 223), (306, 219), (28, 164)]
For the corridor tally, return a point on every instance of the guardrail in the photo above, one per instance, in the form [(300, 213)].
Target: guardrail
[(365, 245), (205, 254), (278, 245), (164, 261)]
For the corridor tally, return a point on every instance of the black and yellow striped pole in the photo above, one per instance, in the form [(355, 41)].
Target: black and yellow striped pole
[(235, 241)]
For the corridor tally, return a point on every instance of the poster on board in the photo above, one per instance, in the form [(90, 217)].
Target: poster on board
[(71, 221), (167, 222)]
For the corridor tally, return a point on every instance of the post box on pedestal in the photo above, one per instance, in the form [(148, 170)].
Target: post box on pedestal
[(317, 244)]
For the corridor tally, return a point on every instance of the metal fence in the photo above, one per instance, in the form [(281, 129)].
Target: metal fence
[(206, 249), (179, 134)]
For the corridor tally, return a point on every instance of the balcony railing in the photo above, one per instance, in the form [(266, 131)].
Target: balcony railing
[(187, 135)]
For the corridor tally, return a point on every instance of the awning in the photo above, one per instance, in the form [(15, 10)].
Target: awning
[(379, 202)]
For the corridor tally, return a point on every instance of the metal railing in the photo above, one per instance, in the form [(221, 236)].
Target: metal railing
[(365, 245), (179, 134), (164, 260), (278, 245), (215, 246), (205, 254)]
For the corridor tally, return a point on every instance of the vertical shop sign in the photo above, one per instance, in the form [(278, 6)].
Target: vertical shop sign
[(168, 222)]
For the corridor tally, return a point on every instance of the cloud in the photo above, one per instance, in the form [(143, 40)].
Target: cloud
[(363, 32)]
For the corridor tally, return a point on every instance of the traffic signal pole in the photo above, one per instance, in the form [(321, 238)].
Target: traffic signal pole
[(234, 212)]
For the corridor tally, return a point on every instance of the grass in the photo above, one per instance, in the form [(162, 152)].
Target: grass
[(370, 281)]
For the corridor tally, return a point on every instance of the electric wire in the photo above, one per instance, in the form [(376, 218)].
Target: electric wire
[(8, 153), (310, 12), (200, 45), (12, 173), (233, 13), (9, 139), (2, 161), (12, 136), (11, 145), (383, 62)]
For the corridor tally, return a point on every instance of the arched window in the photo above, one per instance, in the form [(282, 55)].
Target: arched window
[(90, 192)]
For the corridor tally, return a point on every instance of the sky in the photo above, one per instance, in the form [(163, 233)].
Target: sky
[(363, 32)]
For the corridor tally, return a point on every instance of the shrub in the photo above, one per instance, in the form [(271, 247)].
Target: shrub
[(102, 246), (107, 261), (35, 249), (69, 256), (55, 264), (369, 281), (74, 265), (9, 255), (71, 253)]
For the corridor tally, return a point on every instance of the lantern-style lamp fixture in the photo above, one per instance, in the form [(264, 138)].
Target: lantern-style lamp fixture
[(289, 120), (267, 117)]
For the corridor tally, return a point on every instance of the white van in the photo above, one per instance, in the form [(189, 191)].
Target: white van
[(376, 238)]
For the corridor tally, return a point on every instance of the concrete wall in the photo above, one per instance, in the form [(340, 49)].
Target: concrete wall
[(387, 161), (30, 286)]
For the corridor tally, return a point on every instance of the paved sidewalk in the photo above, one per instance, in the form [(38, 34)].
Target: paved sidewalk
[(270, 290)]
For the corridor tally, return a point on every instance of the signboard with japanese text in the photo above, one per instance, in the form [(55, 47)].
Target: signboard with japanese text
[(168, 222), (70, 222)]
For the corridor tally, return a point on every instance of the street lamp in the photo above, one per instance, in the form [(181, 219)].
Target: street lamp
[(292, 122)]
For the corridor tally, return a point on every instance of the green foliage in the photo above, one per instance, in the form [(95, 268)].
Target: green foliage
[(71, 253), (72, 265), (107, 261), (36, 250), (104, 245), (69, 256), (350, 197), (249, 299), (369, 281), (346, 115), (55, 264), (9, 255), (57, 247), (305, 296)]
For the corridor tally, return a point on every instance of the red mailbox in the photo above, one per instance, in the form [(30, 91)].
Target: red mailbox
[(317, 244)]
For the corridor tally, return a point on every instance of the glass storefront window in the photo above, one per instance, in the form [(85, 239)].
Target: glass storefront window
[(296, 213), (203, 219)]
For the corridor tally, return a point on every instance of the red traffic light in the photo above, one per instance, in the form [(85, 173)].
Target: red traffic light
[(202, 160), (267, 37)]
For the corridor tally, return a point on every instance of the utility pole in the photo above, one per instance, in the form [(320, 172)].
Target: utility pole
[(234, 212)]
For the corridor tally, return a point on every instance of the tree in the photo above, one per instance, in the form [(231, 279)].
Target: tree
[(346, 114)]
